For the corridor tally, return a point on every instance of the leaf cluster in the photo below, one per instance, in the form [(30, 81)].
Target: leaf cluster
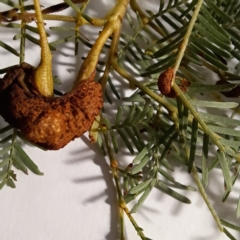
[(13, 155), (213, 45)]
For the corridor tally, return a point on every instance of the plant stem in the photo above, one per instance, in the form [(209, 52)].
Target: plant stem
[(79, 22), (196, 116), (13, 140), (114, 22), (122, 203), (187, 36), (201, 189), (205, 198), (145, 19), (77, 33), (89, 65), (134, 223), (54, 17), (23, 31), (113, 51), (113, 165), (43, 74), (28, 17)]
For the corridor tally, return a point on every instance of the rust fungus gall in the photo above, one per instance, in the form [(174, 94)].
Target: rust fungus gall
[(165, 81), (50, 122)]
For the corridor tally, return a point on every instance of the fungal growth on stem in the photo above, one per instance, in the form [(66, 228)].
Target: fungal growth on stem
[(29, 105)]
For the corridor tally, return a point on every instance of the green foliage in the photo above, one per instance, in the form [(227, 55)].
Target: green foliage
[(211, 45), (159, 131), (12, 154)]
